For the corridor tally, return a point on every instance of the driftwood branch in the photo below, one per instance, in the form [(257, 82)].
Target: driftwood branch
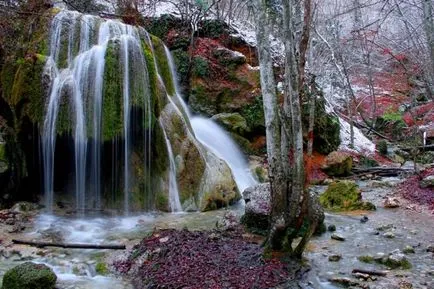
[(69, 245), (381, 171), (370, 272)]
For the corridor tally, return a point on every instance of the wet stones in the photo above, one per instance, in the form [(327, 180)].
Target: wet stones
[(427, 182), (337, 237), (391, 203), (331, 228), (335, 258), (408, 250), (389, 235)]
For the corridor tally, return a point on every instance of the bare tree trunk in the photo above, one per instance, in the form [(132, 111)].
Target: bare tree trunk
[(429, 31), (278, 181), (296, 197)]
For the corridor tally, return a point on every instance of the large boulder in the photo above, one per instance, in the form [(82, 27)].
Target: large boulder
[(233, 122), (338, 164), (30, 276), (258, 207), (344, 196)]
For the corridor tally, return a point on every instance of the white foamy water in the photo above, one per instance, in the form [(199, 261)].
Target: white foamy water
[(221, 144)]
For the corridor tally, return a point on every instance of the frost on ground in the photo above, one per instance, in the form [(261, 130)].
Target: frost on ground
[(361, 143)]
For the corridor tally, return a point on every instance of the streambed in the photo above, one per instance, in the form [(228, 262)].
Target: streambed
[(76, 268)]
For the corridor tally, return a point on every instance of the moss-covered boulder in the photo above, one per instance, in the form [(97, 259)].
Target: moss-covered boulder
[(344, 196), (233, 122), (338, 164), (30, 276)]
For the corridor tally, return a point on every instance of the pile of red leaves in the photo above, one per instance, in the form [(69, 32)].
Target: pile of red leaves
[(411, 190), (200, 260)]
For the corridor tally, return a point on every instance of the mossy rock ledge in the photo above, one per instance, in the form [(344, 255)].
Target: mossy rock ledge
[(344, 196), (30, 276)]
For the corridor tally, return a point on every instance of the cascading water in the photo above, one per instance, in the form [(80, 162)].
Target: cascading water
[(174, 202), (101, 86), (83, 78), (216, 139), (221, 144)]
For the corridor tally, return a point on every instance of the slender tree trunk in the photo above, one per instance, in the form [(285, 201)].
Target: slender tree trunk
[(429, 32), (296, 196), (277, 178)]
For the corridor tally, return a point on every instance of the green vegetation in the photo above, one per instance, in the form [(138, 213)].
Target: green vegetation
[(112, 114), (182, 63), (382, 147), (366, 259), (101, 269), (212, 28), (30, 276), (200, 67), (163, 65), (344, 196), (367, 162), (254, 114)]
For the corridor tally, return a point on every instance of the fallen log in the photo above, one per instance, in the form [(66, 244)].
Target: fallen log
[(370, 272), (382, 171), (418, 148), (69, 245)]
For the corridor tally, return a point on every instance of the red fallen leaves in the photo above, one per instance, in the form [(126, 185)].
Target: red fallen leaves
[(201, 260), (411, 190)]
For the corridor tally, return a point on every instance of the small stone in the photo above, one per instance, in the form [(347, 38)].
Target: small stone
[(427, 182), (331, 228), (389, 235), (430, 249), (164, 240), (337, 237), (335, 258), (391, 203), (361, 276), (364, 219), (408, 250)]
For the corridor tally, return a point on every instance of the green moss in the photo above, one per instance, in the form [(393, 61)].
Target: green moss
[(163, 65), (29, 275), (200, 67), (212, 28), (216, 200), (2, 152), (366, 259), (344, 196), (162, 202), (382, 147), (254, 114), (182, 63), (27, 88), (101, 269), (112, 115), (367, 162)]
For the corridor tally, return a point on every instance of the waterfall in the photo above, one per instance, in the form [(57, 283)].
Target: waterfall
[(77, 62), (221, 144), (100, 101), (174, 202)]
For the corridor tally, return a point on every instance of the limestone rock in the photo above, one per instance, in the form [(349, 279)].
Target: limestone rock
[(338, 164), (337, 237), (233, 122), (226, 56), (427, 182), (30, 276), (391, 203), (258, 206)]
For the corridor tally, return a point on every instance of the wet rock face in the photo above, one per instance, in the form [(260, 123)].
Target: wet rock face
[(338, 164), (30, 276)]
